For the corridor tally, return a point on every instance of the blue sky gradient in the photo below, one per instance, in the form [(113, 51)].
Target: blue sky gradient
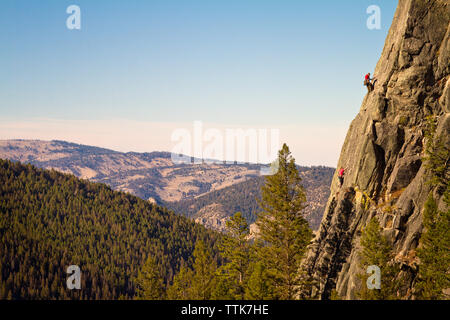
[(246, 62)]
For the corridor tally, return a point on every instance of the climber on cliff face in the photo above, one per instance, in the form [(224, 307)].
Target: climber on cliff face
[(341, 176), (368, 82)]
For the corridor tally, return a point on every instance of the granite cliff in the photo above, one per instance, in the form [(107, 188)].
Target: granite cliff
[(383, 152)]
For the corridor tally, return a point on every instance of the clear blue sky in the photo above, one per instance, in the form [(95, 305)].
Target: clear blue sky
[(255, 62)]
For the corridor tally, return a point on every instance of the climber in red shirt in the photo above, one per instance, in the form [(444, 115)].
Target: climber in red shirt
[(368, 83), (341, 176)]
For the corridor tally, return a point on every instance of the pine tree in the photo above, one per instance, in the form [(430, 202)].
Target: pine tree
[(437, 156), (149, 282), (258, 286), (203, 279), (433, 252), (223, 288), (181, 286), (377, 251), (235, 251), (282, 227)]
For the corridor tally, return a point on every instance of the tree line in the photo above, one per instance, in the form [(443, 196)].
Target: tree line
[(50, 220), (265, 267), (129, 248), (269, 265)]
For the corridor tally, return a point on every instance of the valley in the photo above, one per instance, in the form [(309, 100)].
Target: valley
[(208, 193)]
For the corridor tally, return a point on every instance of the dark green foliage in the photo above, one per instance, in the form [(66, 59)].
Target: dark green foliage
[(149, 284), (283, 228), (267, 268), (437, 156), (51, 220), (235, 250), (433, 252), (198, 283), (223, 288), (377, 251), (203, 279), (258, 286), (181, 286)]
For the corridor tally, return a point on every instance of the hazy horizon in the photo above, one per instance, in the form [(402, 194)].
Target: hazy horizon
[(136, 71)]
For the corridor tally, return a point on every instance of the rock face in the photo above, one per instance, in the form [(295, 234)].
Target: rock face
[(383, 150), (213, 216)]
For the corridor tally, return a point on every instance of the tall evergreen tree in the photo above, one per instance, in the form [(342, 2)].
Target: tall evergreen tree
[(437, 156), (433, 251), (149, 281), (282, 227), (203, 279), (235, 250), (377, 251)]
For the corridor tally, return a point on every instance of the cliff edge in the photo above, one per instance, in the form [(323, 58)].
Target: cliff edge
[(383, 151)]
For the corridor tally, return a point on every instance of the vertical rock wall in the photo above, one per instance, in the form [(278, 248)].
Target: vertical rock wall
[(384, 147)]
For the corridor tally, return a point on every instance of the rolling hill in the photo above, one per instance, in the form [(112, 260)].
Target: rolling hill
[(209, 193), (50, 220)]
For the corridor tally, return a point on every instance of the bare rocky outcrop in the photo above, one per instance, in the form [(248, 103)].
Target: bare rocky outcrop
[(384, 148), (213, 216)]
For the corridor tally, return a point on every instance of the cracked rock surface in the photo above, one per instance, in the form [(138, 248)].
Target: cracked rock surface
[(383, 150)]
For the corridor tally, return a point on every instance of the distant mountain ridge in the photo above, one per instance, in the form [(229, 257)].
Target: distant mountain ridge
[(147, 175), (155, 177), (211, 209)]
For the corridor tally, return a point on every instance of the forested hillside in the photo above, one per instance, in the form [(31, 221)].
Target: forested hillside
[(210, 193), (219, 205), (253, 268), (50, 220)]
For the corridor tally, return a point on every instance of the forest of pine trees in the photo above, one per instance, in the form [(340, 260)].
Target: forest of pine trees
[(50, 220), (128, 248), (267, 267)]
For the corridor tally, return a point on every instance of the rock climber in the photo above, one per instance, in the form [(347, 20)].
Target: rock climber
[(341, 176), (368, 83)]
